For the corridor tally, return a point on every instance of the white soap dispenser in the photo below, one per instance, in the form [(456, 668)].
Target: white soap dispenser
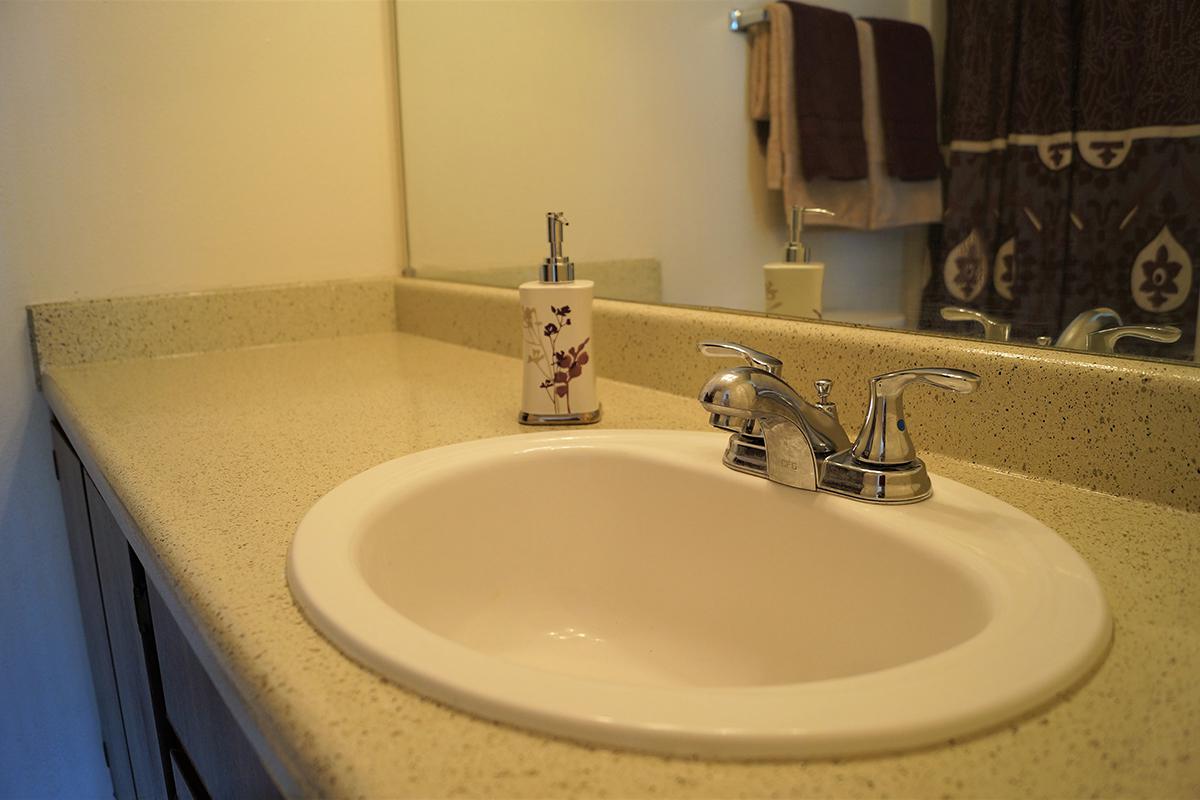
[(559, 384), (793, 286)]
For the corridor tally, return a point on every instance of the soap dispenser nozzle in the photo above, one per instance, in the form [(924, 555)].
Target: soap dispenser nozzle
[(797, 251), (557, 268)]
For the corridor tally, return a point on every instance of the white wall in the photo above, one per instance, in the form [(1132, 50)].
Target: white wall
[(157, 147), (629, 116)]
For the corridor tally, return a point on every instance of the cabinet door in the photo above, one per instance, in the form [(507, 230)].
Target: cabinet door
[(167, 732), (121, 578), (91, 606), (223, 757), (187, 783)]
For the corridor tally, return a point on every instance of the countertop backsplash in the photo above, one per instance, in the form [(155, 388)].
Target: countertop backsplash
[(1112, 425)]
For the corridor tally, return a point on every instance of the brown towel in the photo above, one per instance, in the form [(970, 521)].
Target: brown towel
[(829, 110), (907, 98), (894, 202), (874, 202)]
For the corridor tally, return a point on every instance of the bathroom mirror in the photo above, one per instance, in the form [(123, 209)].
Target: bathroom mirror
[(632, 118)]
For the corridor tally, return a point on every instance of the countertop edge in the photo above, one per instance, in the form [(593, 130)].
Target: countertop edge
[(280, 762)]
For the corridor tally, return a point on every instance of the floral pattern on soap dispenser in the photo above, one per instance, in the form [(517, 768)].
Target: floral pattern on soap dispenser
[(558, 366)]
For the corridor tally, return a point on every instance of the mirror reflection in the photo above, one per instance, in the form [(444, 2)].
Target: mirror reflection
[(1024, 172)]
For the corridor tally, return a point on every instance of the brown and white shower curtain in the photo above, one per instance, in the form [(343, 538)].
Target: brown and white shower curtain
[(1073, 180)]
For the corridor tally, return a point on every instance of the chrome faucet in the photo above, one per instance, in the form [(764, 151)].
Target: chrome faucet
[(778, 435), (1097, 330), (994, 330), (1075, 335), (1105, 341)]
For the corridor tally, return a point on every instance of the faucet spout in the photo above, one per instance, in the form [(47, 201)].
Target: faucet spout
[(776, 433), (751, 393), (784, 438)]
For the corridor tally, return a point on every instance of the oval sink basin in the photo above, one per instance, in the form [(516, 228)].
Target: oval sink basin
[(625, 588)]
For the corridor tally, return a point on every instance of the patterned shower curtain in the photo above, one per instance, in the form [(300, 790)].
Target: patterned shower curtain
[(1073, 180)]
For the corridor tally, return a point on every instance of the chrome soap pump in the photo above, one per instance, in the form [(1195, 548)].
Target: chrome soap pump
[(557, 353)]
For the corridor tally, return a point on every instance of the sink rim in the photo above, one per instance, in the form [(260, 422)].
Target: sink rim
[(921, 702)]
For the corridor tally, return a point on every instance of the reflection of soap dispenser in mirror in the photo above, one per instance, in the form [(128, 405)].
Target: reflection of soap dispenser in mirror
[(556, 328), (794, 285)]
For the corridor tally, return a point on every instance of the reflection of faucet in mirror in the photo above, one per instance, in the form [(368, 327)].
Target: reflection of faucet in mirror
[(993, 329), (1104, 341), (1075, 335), (1096, 330)]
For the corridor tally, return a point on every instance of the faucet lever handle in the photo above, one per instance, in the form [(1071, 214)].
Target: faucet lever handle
[(884, 440), (754, 358), (1105, 341), (993, 329)]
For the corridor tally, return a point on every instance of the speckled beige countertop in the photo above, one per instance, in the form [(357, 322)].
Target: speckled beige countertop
[(217, 456)]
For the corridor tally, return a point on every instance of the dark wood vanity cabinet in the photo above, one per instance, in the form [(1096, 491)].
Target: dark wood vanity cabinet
[(166, 731), (73, 487), (210, 747)]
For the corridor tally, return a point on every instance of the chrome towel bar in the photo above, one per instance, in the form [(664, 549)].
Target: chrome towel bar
[(740, 20)]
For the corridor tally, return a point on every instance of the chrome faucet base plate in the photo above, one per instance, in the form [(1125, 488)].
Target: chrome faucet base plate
[(843, 474), (746, 454), (579, 418)]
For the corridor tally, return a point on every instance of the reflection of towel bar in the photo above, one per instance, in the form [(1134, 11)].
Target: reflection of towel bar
[(740, 21)]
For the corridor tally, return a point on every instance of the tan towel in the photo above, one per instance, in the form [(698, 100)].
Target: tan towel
[(759, 79), (779, 81), (878, 201)]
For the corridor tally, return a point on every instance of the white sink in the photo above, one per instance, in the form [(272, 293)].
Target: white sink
[(626, 588)]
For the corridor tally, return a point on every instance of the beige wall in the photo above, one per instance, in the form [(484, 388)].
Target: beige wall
[(629, 116), (163, 145), (160, 146)]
